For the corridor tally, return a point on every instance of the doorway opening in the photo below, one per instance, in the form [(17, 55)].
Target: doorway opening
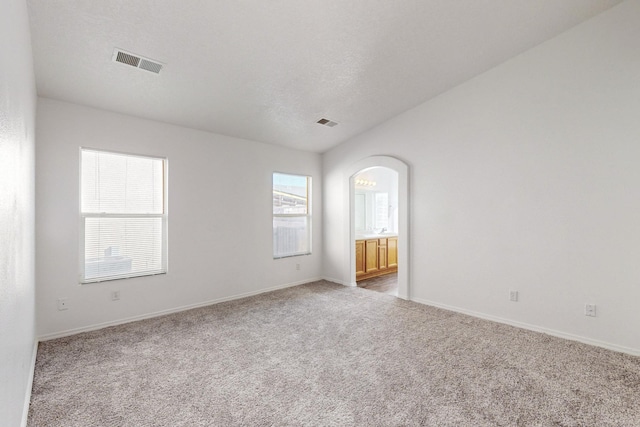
[(378, 225)]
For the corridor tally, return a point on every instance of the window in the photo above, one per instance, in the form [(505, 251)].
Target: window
[(123, 215), (291, 215)]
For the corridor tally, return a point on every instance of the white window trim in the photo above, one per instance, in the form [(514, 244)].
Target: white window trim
[(83, 216)]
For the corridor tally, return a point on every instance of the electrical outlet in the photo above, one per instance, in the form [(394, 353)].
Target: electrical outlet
[(513, 295), (63, 304), (297, 266), (115, 295), (590, 310)]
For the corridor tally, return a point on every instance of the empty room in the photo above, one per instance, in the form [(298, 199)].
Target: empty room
[(338, 213)]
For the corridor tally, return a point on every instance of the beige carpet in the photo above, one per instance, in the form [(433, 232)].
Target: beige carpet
[(326, 355)]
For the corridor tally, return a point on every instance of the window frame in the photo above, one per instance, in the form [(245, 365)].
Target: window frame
[(84, 215), (308, 215)]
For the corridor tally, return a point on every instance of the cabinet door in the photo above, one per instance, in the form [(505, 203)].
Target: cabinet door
[(382, 257), (360, 268), (371, 256), (392, 252)]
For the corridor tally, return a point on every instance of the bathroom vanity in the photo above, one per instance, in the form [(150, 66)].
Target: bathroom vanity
[(376, 255)]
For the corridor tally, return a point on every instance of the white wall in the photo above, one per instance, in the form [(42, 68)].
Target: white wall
[(220, 223), (17, 246), (526, 178)]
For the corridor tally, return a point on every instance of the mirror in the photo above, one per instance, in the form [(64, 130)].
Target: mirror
[(376, 200), (371, 210)]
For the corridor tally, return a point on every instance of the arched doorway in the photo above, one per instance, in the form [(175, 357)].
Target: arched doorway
[(401, 169)]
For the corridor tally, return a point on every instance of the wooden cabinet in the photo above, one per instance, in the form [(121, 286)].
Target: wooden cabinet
[(392, 252), (360, 267), (371, 256), (375, 257), (382, 254)]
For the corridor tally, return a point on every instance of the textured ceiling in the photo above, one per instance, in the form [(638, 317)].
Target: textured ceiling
[(268, 70)]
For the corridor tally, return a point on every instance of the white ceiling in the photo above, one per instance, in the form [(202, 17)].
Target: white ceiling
[(268, 70)]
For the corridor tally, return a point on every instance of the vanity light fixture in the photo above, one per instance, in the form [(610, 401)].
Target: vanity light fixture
[(365, 183)]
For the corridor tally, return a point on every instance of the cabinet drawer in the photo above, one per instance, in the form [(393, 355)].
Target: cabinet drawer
[(382, 242)]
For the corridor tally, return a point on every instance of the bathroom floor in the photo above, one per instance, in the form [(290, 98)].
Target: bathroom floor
[(387, 284)]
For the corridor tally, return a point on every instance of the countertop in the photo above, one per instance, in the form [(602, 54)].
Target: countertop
[(369, 236)]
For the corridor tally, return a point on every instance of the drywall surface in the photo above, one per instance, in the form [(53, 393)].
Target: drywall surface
[(524, 178), (17, 244), (219, 217)]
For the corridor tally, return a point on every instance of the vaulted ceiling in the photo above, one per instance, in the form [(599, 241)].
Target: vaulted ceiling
[(269, 70)]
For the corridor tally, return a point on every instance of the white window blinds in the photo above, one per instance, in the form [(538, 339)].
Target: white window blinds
[(124, 217)]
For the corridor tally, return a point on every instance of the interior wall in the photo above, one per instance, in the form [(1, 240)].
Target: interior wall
[(524, 178), (17, 245), (219, 217)]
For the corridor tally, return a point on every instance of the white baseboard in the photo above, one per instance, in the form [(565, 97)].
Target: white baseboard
[(27, 396), (534, 328), (97, 326)]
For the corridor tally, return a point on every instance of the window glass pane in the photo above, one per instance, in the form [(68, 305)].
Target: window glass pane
[(291, 215), (122, 246), (291, 236), (290, 194), (120, 184), (382, 210)]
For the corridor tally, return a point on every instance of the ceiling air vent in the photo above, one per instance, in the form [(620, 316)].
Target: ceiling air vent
[(327, 122), (136, 61)]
